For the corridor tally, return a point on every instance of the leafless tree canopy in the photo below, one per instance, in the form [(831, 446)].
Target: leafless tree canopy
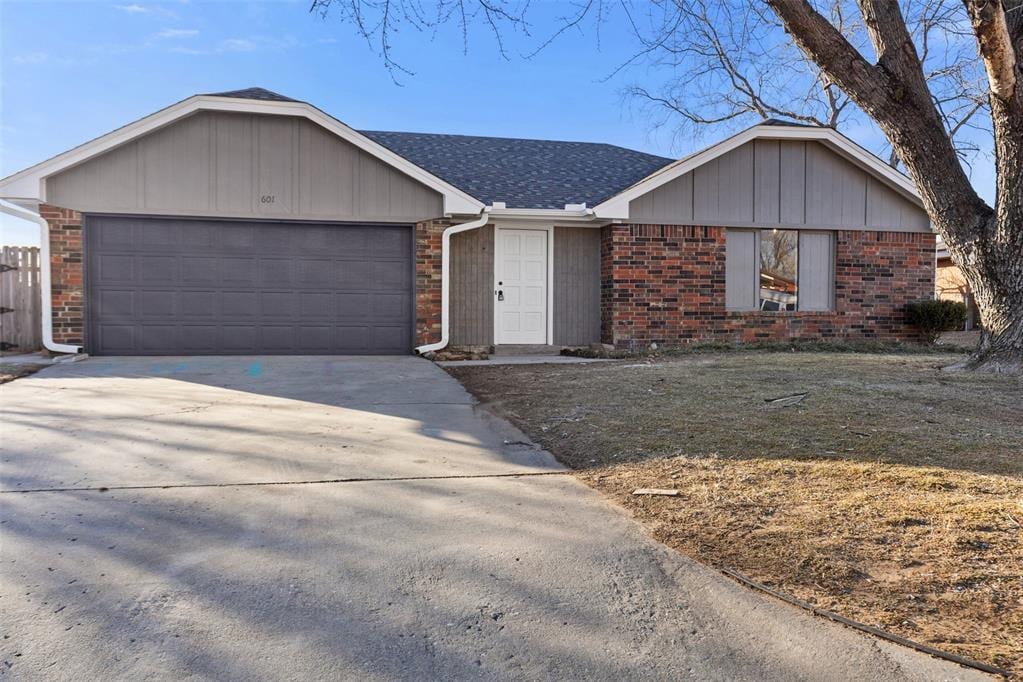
[(728, 63)]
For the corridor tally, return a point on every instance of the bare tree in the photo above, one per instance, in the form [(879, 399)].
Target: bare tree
[(985, 242), (916, 74), (731, 66), (379, 21), (736, 66)]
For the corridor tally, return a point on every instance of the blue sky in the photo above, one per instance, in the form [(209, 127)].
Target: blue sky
[(74, 70)]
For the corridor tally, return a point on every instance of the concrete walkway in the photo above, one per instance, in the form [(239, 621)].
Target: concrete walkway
[(193, 542), (521, 360)]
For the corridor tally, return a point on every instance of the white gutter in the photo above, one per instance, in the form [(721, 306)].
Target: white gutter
[(44, 270), (445, 277)]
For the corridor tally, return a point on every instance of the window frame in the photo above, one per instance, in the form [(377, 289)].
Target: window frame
[(757, 234)]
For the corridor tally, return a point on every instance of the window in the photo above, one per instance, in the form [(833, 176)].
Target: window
[(779, 270)]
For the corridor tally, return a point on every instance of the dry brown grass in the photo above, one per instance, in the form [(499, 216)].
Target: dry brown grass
[(11, 371), (893, 494)]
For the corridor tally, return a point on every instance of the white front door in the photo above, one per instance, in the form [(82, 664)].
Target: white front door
[(520, 299)]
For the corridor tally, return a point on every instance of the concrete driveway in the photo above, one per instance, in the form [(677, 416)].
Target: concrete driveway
[(326, 518)]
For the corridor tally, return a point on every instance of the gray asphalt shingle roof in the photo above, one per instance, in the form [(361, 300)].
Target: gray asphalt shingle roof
[(522, 173), (253, 93)]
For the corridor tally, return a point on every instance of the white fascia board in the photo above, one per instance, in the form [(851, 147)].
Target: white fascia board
[(29, 183), (617, 207)]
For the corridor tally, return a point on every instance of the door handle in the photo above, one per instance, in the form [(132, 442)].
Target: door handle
[(500, 295)]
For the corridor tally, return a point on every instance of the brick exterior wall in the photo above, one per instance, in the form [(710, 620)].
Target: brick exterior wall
[(428, 280), (665, 284), (660, 284), (67, 281)]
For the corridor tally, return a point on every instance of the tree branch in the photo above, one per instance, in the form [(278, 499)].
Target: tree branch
[(996, 45)]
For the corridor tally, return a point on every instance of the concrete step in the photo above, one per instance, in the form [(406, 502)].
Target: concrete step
[(526, 349)]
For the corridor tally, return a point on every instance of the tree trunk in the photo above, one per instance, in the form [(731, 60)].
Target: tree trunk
[(1000, 353), (986, 243)]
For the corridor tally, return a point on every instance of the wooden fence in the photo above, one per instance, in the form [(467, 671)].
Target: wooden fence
[(20, 300)]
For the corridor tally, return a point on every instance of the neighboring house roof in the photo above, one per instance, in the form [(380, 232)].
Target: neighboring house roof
[(524, 173)]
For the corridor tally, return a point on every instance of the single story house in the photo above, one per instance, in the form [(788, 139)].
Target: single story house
[(247, 222)]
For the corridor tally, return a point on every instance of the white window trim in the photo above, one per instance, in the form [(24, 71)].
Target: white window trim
[(549, 229)]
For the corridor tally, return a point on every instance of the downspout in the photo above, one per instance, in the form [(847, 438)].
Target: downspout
[(44, 271), (445, 277)]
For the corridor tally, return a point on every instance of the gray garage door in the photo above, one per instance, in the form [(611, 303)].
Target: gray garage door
[(159, 286)]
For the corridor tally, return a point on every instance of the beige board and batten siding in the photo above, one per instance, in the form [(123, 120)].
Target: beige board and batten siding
[(576, 286), (780, 183), (472, 287), (244, 166)]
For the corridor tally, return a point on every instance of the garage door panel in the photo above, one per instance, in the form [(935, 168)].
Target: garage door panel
[(274, 239), (162, 286), (158, 304), (277, 339), (116, 236), (198, 304), (238, 240), (158, 270), (234, 304), (157, 237), (389, 242), (390, 275), (198, 270), (315, 305), (314, 242), (276, 272), (199, 339), (115, 269), (390, 307), (116, 303), (239, 338), (388, 338), (277, 305), (159, 338), (198, 236), (317, 273), (316, 339), (238, 271), (355, 274), (118, 338), (354, 306), (355, 337)]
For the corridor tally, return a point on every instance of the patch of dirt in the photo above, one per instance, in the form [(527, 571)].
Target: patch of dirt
[(12, 371), (892, 493)]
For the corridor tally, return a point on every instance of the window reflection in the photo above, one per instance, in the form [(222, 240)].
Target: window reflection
[(778, 269)]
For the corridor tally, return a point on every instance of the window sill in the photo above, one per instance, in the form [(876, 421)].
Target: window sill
[(781, 313)]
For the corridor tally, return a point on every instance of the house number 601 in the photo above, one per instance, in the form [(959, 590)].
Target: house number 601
[(267, 199)]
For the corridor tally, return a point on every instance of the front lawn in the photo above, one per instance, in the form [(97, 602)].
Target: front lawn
[(891, 493)]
